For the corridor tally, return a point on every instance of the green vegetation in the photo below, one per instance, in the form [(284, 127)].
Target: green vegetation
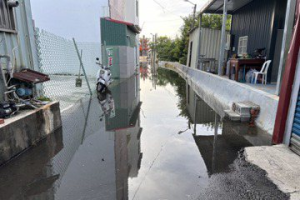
[(176, 50), (43, 98), (165, 77)]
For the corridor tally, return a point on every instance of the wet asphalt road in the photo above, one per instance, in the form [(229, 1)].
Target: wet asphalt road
[(139, 142)]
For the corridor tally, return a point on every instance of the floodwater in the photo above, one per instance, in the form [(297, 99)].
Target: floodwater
[(150, 138)]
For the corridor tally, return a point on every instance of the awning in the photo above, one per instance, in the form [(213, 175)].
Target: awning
[(216, 6), (135, 28)]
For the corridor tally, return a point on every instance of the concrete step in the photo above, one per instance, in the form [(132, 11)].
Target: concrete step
[(241, 108), (233, 116)]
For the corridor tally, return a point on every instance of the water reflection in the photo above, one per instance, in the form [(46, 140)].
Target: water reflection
[(31, 175), (91, 157), (218, 140), (102, 151)]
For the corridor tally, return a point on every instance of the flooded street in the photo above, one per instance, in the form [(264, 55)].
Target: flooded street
[(150, 138)]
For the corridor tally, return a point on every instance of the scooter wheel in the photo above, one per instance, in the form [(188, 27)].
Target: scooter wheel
[(101, 88)]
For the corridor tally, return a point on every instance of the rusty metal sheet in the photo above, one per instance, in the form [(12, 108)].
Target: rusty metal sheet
[(31, 76)]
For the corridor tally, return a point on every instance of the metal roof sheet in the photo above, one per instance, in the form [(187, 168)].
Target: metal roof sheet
[(216, 6)]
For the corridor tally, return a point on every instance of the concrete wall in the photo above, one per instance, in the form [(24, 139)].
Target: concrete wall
[(26, 129), (127, 62), (130, 11), (219, 93)]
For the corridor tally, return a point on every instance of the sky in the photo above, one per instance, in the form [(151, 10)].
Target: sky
[(70, 18), (164, 16), (81, 19)]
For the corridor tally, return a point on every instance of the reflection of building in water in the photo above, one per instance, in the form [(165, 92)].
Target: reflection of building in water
[(219, 148), (85, 156), (127, 156), (127, 132), (144, 71), (203, 114), (126, 97)]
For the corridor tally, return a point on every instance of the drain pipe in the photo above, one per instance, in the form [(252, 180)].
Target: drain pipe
[(9, 68)]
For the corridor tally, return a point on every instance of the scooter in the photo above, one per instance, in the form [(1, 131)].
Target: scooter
[(103, 77), (107, 104)]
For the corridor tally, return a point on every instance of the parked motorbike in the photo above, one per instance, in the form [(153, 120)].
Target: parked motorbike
[(103, 77), (107, 104)]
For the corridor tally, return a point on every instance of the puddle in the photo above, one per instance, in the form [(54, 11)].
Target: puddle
[(155, 140)]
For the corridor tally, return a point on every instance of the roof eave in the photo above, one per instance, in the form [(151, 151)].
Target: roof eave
[(206, 6)]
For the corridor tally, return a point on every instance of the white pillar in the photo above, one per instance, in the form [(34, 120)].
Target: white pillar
[(286, 39), (223, 38)]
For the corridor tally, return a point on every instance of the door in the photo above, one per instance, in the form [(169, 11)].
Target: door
[(295, 140)]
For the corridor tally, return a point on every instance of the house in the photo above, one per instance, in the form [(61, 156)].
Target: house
[(17, 38), (270, 25), (209, 49), (120, 39)]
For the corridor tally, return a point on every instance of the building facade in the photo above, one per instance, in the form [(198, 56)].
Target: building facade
[(120, 38), (17, 38)]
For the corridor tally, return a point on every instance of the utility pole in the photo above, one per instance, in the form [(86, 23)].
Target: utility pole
[(195, 9), (194, 13), (155, 38), (153, 50), (223, 39)]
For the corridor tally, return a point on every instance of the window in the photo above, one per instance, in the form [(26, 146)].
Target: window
[(6, 16), (191, 53), (243, 43)]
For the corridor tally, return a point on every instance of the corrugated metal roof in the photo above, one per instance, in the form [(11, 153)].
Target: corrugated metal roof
[(135, 28), (216, 6)]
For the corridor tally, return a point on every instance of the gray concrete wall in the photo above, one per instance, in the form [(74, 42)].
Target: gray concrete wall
[(127, 61), (26, 129), (219, 93)]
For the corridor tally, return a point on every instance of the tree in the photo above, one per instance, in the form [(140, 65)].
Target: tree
[(214, 21), (177, 49)]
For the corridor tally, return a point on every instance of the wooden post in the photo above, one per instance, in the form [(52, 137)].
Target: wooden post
[(287, 83), (287, 34)]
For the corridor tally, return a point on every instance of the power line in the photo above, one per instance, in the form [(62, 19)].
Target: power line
[(164, 9), (163, 21), (159, 5)]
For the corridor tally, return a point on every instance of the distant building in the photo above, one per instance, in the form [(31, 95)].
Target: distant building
[(144, 46), (260, 30), (120, 39)]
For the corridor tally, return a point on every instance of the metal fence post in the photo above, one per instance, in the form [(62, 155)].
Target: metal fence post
[(223, 35), (83, 69)]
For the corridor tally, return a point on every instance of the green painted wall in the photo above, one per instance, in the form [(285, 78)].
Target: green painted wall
[(115, 68), (113, 34)]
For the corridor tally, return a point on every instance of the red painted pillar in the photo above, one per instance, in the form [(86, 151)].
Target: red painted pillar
[(287, 82)]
